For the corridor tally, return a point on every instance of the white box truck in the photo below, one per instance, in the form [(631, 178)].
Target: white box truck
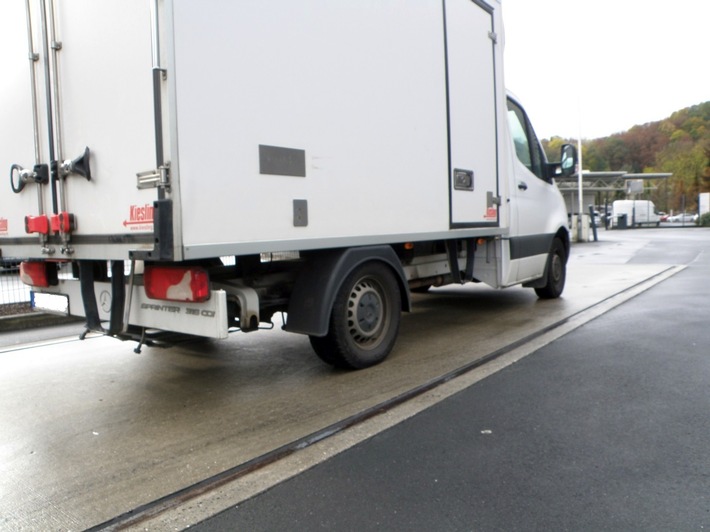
[(635, 213), (703, 203), (342, 153)]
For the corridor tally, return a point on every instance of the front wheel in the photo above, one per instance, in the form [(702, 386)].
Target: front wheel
[(364, 320), (556, 272)]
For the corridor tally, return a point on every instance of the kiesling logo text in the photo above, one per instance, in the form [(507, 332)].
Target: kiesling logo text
[(140, 218)]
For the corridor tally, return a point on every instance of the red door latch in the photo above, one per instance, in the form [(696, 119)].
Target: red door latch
[(37, 224), (63, 222)]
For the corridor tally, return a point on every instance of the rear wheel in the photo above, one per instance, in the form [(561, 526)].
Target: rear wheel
[(556, 272), (364, 320)]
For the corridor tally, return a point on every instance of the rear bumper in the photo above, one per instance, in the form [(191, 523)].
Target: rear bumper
[(207, 319)]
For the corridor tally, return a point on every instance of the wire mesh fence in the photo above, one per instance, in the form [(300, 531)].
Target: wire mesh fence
[(14, 294)]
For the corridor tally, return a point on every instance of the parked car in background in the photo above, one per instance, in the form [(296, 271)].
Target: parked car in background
[(683, 217)]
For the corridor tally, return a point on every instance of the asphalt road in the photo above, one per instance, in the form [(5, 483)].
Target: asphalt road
[(606, 428), (95, 435)]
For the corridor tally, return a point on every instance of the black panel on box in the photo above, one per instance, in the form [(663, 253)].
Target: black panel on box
[(274, 160), (300, 213)]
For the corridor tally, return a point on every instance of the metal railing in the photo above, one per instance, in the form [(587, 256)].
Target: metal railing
[(14, 294)]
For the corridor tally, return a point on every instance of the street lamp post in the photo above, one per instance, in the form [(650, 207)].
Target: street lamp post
[(581, 194)]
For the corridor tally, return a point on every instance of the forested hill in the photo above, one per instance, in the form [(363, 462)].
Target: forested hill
[(680, 144)]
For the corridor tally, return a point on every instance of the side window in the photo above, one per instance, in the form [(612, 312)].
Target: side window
[(527, 148)]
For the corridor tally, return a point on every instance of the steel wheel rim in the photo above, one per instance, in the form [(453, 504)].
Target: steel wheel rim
[(556, 267), (366, 313)]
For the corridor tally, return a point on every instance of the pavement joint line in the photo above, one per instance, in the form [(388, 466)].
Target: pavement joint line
[(242, 488)]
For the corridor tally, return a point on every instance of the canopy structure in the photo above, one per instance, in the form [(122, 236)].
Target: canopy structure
[(605, 182)]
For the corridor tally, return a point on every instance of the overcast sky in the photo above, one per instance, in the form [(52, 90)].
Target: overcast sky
[(602, 66)]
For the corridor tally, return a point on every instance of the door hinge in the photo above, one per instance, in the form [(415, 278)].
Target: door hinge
[(492, 35), (492, 200), (159, 178)]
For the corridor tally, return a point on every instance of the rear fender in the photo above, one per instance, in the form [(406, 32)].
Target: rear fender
[(320, 278), (563, 236)]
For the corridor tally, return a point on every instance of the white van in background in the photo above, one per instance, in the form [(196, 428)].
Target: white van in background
[(636, 212)]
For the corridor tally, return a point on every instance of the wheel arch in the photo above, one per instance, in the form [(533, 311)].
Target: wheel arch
[(563, 236), (322, 275)]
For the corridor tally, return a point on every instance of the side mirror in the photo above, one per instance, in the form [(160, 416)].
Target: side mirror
[(568, 160)]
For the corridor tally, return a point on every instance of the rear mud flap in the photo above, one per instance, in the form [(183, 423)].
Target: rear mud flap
[(88, 296)]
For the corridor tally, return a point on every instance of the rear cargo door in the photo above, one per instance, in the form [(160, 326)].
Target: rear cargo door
[(471, 71), (16, 125), (92, 67)]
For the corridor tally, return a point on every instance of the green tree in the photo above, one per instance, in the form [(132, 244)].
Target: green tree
[(688, 162), (593, 157), (553, 146)]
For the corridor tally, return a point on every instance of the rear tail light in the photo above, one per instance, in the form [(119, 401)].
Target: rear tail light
[(39, 274), (173, 283)]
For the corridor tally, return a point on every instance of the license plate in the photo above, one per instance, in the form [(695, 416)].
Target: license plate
[(54, 303)]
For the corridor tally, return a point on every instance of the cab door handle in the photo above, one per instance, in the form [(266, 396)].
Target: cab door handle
[(522, 185)]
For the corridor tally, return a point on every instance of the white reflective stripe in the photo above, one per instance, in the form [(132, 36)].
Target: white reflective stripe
[(54, 303)]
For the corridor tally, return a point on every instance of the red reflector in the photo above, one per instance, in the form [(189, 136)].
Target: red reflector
[(172, 283), (35, 274)]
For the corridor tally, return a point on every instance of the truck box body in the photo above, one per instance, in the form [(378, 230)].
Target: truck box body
[(703, 203), (168, 131), (307, 102)]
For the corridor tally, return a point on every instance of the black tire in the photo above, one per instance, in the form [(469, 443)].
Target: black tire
[(364, 320), (556, 272)]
